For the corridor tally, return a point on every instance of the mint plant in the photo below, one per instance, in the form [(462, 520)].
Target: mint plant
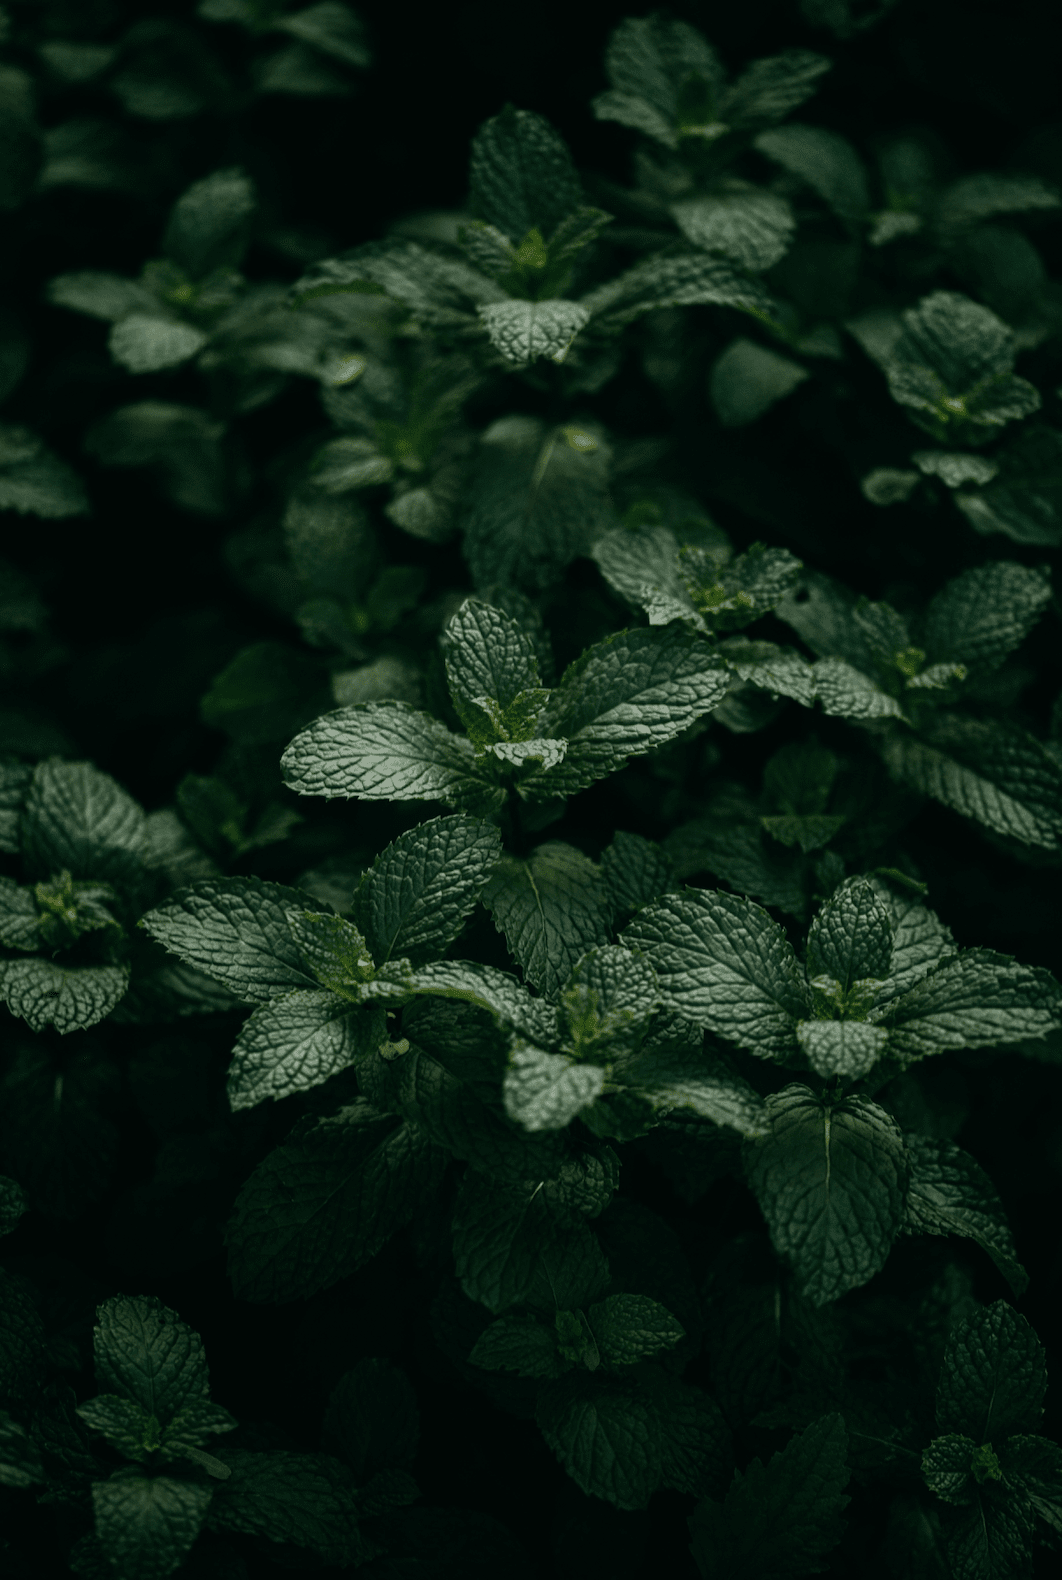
[(530, 801)]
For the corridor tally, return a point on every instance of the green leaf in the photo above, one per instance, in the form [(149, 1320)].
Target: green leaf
[(994, 1376), (780, 1520), (849, 1048), (848, 693), (146, 1525), (519, 1342), (683, 280), (490, 660), (1025, 504), (334, 29), (384, 751), (325, 1201), (546, 1091), (630, 1328), (635, 871), (510, 1246), (525, 331), (851, 936), (147, 1356), (106, 296), (830, 1178), (919, 938), (78, 819), (15, 780), (649, 61), (124, 1423), (539, 498), (22, 1337), (975, 999), (947, 1468), (209, 224), (521, 174), (19, 917), (991, 771), (674, 1074), (777, 669), (13, 1204), (826, 161), (180, 443), (949, 1193), (747, 380), (981, 616), (20, 1463), (768, 89), (295, 1042), (723, 963), (332, 949), (236, 930), (992, 1540), (414, 900), (1035, 1465), (287, 1497), (372, 1420), (45, 993), (751, 228), (35, 482), (146, 343), (552, 907), (606, 1434), (264, 695), (627, 696)]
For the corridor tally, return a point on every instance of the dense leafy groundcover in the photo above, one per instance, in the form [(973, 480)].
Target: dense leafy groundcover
[(530, 791)]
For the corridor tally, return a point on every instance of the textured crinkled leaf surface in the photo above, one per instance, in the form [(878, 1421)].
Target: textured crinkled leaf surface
[(147, 1524), (47, 993), (994, 1376), (950, 1193), (972, 1000), (552, 907), (831, 1180), (414, 901), (525, 331), (297, 1041), (380, 751), (236, 930), (851, 936), (606, 1435)]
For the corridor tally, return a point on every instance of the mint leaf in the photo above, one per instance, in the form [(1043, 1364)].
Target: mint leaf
[(521, 174), (994, 1537), (332, 949), (552, 907), (919, 938), (849, 1048), (372, 1420), (1035, 1465), (78, 819), (981, 616), (546, 1091), (994, 1376), (145, 343), (511, 1248), (384, 751), (949, 1193), (413, 901), (519, 1342), (635, 871), (284, 1496), (606, 1434), (772, 668), (848, 693), (748, 379), (693, 280), (147, 1356), (649, 60), (851, 936), (236, 930), (778, 1521), (830, 1178), (146, 1525), (525, 331), (826, 161), (45, 993), (625, 697), (673, 1074), (722, 962), (209, 224), (753, 229), (297, 1041), (947, 1468), (973, 1000), (490, 662), (630, 1328), (325, 1201)]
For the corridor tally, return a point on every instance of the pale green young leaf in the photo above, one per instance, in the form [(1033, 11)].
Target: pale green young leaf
[(47, 993), (630, 1328), (521, 174), (146, 1525), (325, 1201), (307, 1500), (994, 1376), (635, 871), (851, 936), (747, 379), (519, 1342), (826, 161), (626, 696), (525, 331), (609, 994), (974, 999), (79, 819), (752, 228), (950, 1193), (606, 1434), (991, 771), (552, 907), (734, 594), (147, 343), (384, 751), (830, 1178), (537, 501), (546, 1091), (780, 1520), (849, 1048), (414, 899), (984, 614), (723, 962), (684, 280), (236, 930), (209, 224), (297, 1041)]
